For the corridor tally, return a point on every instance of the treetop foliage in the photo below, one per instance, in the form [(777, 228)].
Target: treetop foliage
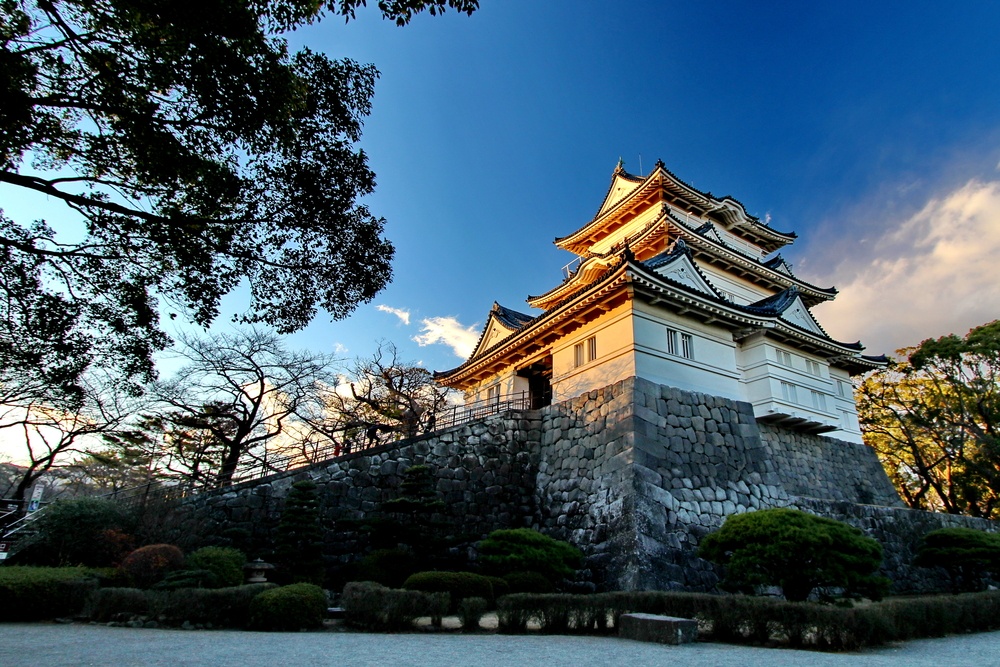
[(796, 551), (933, 419), (526, 550), (193, 152)]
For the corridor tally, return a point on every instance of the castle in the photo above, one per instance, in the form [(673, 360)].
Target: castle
[(684, 289), (676, 377)]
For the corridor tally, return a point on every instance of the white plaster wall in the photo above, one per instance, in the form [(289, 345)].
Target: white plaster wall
[(615, 358), (746, 292), (711, 371)]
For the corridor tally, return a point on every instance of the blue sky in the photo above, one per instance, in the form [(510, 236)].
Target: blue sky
[(870, 129)]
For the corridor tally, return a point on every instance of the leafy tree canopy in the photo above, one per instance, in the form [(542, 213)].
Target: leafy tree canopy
[(933, 419), (968, 555), (526, 550), (797, 551), (193, 152)]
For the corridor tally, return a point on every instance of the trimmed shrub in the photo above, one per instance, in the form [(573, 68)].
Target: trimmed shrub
[(458, 585), (107, 604), (39, 593), (219, 607), (371, 606), (500, 588), (528, 582), (969, 556), (149, 564), (798, 552), (470, 611), (295, 607), (187, 579), (225, 563), (524, 550)]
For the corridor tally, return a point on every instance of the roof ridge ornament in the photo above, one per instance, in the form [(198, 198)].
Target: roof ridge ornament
[(620, 167)]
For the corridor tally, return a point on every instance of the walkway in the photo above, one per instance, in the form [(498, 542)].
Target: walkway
[(48, 645)]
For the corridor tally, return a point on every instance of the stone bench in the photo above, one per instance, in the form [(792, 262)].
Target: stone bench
[(661, 629)]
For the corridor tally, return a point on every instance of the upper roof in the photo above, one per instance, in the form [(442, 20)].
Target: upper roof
[(629, 193)]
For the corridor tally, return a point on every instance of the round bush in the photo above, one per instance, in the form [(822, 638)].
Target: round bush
[(459, 585), (289, 608), (797, 551), (149, 564), (225, 563), (969, 556), (523, 550)]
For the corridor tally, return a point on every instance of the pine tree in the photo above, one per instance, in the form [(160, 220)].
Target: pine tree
[(299, 537)]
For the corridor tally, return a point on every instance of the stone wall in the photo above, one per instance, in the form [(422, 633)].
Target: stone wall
[(634, 474), (819, 467), (485, 474)]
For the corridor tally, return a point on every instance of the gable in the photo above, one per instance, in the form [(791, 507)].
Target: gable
[(681, 269), (495, 332), (621, 187), (799, 315)]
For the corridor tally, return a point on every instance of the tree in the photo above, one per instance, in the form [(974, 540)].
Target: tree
[(192, 152), (520, 550), (51, 433), (299, 536), (797, 551), (238, 393), (378, 396), (968, 555), (933, 419)]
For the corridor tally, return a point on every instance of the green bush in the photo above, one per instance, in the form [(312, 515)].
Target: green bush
[(86, 531), (969, 556), (38, 593), (371, 606), (225, 563), (459, 585), (296, 607), (470, 611), (149, 564), (798, 552), (500, 588), (187, 579), (528, 582), (523, 550)]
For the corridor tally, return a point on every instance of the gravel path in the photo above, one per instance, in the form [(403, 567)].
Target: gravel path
[(45, 645)]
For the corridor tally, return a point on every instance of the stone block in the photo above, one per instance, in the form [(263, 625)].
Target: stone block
[(660, 629)]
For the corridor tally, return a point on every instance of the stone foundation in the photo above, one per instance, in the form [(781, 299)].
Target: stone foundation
[(634, 474)]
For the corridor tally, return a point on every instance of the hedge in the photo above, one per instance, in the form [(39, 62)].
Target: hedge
[(218, 607), (38, 593), (371, 606), (459, 585), (756, 620)]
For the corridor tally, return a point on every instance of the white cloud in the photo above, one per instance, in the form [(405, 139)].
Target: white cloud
[(403, 315), (339, 348), (448, 331), (935, 273)]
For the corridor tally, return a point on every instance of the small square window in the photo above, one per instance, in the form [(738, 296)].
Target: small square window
[(591, 348), (819, 401), (784, 358)]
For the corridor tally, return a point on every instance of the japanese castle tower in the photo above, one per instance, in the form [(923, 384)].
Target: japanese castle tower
[(684, 289)]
